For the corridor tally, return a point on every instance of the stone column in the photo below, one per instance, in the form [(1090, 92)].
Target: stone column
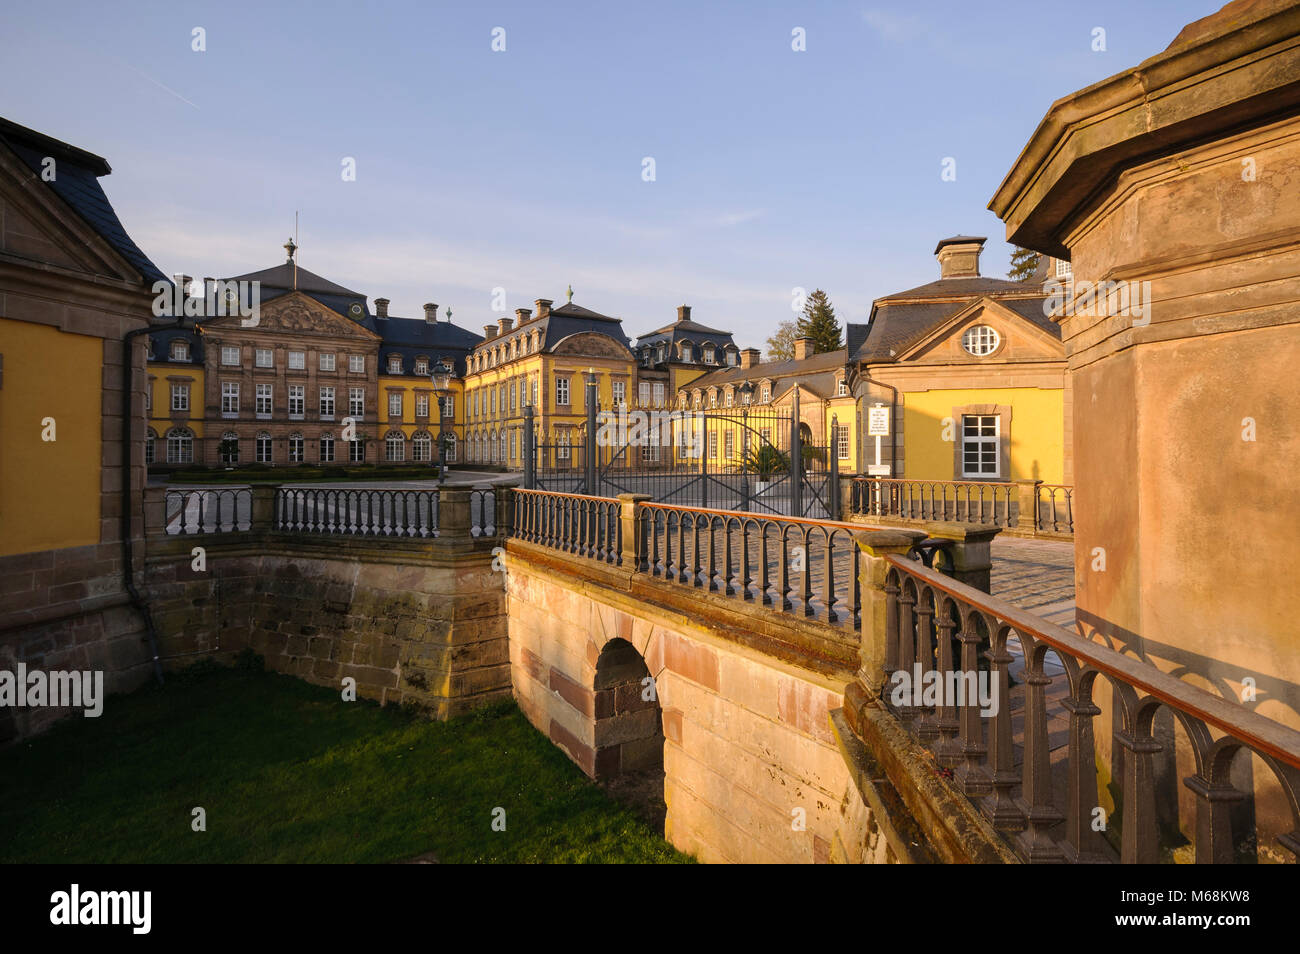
[(505, 507), (453, 514), (873, 568), (263, 515), (971, 552), (155, 511), (635, 539), (1027, 519)]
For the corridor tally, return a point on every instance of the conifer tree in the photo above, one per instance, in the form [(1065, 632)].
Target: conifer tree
[(818, 322), (1023, 265)]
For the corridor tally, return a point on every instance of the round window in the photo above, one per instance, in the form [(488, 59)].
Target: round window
[(980, 340)]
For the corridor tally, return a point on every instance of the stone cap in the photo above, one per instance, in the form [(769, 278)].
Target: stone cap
[(1235, 69)]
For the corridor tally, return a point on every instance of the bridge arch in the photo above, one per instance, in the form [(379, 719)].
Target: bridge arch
[(629, 733)]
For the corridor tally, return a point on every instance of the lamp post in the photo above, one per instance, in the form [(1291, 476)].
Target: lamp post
[(746, 392), (441, 378)]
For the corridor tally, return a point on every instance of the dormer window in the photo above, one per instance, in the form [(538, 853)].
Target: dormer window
[(764, 393), (394, 364), (713, 399), (687, 351), (709, 354), (731, 357), (422, 365), (841, 388), (729, 398)]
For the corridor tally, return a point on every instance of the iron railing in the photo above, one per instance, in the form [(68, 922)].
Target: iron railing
[(483, 512), (1044, 679), (208, 510), (386, 513), (988, 503), (572, 523)]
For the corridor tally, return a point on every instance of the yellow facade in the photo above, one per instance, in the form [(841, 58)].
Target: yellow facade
[(932, 422), (162, 377), (49, 488), (410, 424)]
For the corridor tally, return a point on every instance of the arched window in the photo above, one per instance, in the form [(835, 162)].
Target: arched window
[(504, 438), (180, 446), (149, 438), (395, 447), (263, 448), (421, 447), (228, 449)]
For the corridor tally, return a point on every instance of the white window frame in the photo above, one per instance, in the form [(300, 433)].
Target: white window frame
[(984, 442), (230, 356), (297, 360), (356, 401), (327, 362), (326, 402), (180, 397), (298, 400), (394, 403), (262, 401), (357, 363), (562, 391), (230, 399), (264, 357)]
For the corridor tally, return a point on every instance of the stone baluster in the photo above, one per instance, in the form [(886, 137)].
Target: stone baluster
[(1040, 813)]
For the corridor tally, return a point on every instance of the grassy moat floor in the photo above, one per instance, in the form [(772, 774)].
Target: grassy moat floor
[(288, 772)]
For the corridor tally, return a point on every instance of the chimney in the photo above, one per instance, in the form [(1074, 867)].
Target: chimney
[(381, 307), (803, 348), (543, 307), (959, 256), (522, 314), (185, 285), (683, 312), (750, 357), (431, 313), (489, 332), (507, 324)]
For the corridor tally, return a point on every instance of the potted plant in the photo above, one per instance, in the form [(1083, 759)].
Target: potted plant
[(766, 462)]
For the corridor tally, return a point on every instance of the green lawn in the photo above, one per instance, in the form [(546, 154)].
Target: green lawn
[(287, 772)]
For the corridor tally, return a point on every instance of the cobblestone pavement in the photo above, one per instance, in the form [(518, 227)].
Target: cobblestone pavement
[(1036, 575)]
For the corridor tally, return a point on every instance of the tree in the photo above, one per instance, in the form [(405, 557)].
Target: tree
[(780, 347), (1024, 263), (818, 322)]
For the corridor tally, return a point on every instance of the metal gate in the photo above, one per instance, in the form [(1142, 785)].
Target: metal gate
[(745, 458)]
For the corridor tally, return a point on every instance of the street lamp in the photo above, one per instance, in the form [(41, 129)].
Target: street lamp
[(441, 378), (746, 392)]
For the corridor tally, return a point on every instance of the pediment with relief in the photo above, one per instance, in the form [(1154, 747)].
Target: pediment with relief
[(296, 313)]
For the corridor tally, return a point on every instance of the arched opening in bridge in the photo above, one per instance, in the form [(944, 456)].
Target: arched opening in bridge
[(629, 729)]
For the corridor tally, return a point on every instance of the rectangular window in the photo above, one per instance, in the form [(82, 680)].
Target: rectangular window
[(295, 449), (327, 405), (297, 360), (562, 447), (842, 442), (1064, 269), (394, 403), (562, 391), (620, 393), (534, 392), (514, 390), (229, 398), (357, 452), (327, 449), (327, 362), (356, 401), (842, 389), (659, 393), (729, 445), (263, 454), (357, 363), (713, 444), (263, 400), (765, 394), (297, 401), (979, 445), (449, 406), (180, 397), (230, 356), (264, 358), (148, 396), (643, 393), (422, 405)]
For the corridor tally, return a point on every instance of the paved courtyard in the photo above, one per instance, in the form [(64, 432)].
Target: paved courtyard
[(1037, 575)]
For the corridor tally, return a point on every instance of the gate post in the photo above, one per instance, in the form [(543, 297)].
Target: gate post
[(589, 475), (833, 452), (796, 459), (530, 448)]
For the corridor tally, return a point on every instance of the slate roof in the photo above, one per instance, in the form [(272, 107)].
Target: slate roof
[(816, 373), (413, 337), (76, 182), (899, 320), (568, 319)]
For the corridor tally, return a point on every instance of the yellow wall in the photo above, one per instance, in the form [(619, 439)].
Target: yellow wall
[(160, 417), (410, 427), (1037, 431), (49, 490)]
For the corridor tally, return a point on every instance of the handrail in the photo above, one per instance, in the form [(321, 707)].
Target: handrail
[(751, 515), (1242, 724)]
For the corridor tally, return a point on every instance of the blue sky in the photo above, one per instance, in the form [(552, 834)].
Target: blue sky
[(522, 169)]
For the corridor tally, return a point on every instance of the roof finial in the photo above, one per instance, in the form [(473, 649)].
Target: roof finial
[(290, 248), (570, 293), (449, 312)]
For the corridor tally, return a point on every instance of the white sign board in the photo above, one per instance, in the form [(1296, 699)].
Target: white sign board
[(877, 470), (878, 421)]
